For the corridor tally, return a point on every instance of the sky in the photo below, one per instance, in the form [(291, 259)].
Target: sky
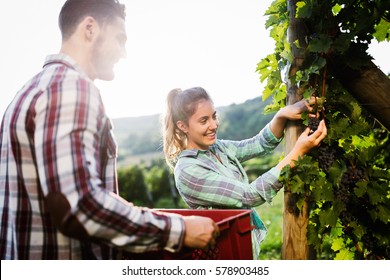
[(171, 44)]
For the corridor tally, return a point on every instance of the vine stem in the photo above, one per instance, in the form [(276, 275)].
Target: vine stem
[(323, 89)]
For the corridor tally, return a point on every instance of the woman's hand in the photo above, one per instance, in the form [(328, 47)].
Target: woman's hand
[(291, 112), (294, 111), (307, 141), (304, 144)]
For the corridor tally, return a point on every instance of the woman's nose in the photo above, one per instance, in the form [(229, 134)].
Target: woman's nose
[(214, 124)]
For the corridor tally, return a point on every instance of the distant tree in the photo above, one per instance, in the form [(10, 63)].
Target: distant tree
[(161, 184), (242, 121), (132, 186)]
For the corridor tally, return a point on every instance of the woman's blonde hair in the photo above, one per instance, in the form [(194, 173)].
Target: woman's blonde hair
[(180, 106)]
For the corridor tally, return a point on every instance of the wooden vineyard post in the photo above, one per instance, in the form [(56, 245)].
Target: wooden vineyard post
[(369, 85), (295, 221)]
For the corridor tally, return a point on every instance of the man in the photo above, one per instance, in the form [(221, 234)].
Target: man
[(58, 188)]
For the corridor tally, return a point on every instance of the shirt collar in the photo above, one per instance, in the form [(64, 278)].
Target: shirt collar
[(195, 152), (190, 153), (66, 60)]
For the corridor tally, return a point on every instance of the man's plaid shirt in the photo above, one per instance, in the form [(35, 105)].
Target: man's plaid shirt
[(57, 171)]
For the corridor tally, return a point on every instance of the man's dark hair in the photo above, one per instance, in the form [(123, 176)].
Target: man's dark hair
[(73, 12)]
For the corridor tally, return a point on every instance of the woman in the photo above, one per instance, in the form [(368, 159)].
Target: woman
[(208, 171)]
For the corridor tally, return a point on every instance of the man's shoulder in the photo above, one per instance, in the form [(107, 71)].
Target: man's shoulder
[(65, 65)]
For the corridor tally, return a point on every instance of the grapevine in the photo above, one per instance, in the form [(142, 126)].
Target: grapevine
[(347, 178)]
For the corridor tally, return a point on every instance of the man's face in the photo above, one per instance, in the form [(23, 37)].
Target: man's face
[(108, 48)]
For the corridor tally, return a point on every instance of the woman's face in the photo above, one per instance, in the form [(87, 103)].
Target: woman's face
[(202, 126)]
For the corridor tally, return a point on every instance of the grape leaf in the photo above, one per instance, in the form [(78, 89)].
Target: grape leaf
[(361, 189), (328, 218), (303, 10), (384, 213), (336, 9), (338, 244), (382, 31), (374, 196), (345, 254), (358, 229), (320, 44)]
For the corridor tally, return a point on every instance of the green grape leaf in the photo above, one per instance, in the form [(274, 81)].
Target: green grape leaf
[(345, 254), (338, 244), (336, 9), (313, 237), (303, 10), (280, 94), (374, 196), (342, 42), (298, 185), (356, 112), (384, 213), (328, 218), (362, 141), (321, 44), (266, 66), (361, 189), (267, 92), (337, 231), (382, 31), (358, 229), (322, 190)]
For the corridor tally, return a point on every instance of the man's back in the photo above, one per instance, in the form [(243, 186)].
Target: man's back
[(41, 112)]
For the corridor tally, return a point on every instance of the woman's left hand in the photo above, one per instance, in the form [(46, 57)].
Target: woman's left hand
[(294, 111)]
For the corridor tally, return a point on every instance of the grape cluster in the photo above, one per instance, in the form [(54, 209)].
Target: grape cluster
[(369, 241), (352, 175), (346, 217), (348, 181), (327, 155), (313, 124)]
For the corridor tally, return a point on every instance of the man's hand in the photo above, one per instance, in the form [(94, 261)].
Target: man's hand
[(201, 232)]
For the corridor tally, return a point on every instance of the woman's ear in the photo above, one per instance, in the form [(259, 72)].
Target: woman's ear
[(182, 126)]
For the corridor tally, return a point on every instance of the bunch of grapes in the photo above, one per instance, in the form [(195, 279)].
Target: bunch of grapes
[(327, 155), (348, 181), (369, 241), (313, 124), (374, 247), (351, 176), (346, 217)]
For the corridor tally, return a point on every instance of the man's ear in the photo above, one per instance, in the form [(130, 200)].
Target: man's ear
[(89, 27), (182, 126)]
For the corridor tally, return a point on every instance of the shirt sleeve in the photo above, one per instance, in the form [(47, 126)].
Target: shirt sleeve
[(202, 186), (262, 143), (67, 125)]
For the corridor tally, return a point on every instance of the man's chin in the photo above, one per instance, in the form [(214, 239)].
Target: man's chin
[(107, 77)]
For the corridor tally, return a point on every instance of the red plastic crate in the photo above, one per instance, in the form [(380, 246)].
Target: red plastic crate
[(234, 242)]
